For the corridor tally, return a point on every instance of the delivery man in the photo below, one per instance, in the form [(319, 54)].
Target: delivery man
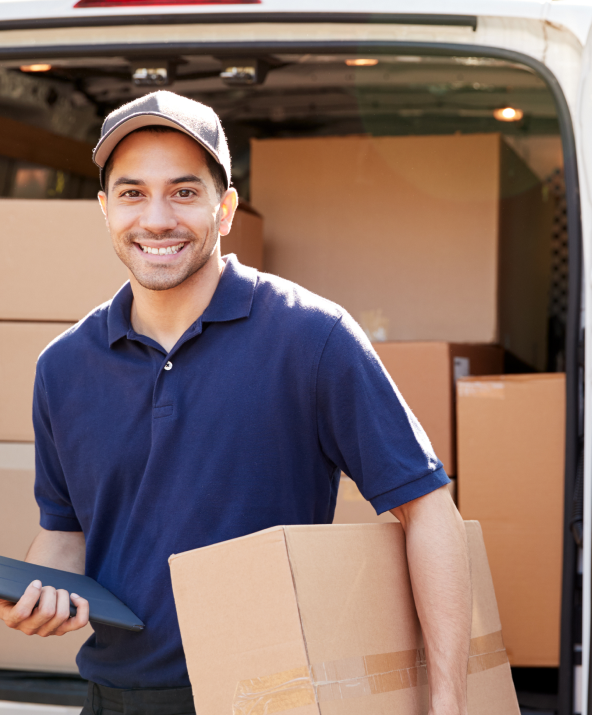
[(207, 401)]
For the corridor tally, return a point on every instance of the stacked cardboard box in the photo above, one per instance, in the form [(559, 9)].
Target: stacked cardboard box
[(323, 621), (420, 238), (511, 460), (60, 264), (19, 520), (246, 237), (426, 373)]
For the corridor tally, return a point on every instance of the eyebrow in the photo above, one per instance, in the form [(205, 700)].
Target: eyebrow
[(124, 180), (189, 178)]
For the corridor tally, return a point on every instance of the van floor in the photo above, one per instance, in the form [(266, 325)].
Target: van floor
[(536, 689), (45, 688)]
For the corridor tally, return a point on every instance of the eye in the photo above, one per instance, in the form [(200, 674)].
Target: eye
[(131, 193), (185, 193)]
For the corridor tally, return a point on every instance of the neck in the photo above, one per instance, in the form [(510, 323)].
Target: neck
[(166, 314)]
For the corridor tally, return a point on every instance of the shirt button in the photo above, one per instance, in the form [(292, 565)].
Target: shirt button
[(168, 366)]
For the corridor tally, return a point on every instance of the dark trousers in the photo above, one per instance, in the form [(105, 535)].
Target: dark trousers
[(161, 701)]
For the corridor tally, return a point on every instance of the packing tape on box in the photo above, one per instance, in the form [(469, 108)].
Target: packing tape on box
[(482, 388), (353, 678)]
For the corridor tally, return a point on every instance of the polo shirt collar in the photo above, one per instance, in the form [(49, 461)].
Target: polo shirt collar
[(232, 300)]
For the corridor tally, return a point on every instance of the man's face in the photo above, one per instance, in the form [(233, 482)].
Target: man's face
[(162, 208)]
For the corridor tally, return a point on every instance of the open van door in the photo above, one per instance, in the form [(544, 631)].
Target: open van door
[(583, 131)]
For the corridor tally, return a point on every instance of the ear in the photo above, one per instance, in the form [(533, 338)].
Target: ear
[(228, 206), (102, 197)]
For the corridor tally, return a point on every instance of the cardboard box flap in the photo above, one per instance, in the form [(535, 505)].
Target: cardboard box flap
[(251, 630)]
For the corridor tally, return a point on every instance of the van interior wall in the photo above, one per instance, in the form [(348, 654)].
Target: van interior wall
[(388, 185)]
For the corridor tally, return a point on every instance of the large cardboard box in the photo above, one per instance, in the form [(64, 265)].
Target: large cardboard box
[(22, 343), (511, 444), (321, 619), (19, 524), (59, 262), (426, 373), (58, 258), (246, 237), (419, 238)]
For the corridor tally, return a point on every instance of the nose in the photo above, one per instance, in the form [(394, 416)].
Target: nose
[(158, 216)]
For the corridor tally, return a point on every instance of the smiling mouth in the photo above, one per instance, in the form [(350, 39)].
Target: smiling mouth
[(169, 250)]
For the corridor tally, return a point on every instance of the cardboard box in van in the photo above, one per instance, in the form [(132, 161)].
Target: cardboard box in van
[(60, 264), (322, 618), (19, 524), (22, 343), (426, 372), (511, 442), (246, 237), (419, 237)]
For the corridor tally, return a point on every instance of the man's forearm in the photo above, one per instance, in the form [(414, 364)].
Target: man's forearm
[(63, 550), (439, 568)]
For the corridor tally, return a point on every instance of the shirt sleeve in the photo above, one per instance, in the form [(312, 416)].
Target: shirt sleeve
[(365, 426), (51, 490)]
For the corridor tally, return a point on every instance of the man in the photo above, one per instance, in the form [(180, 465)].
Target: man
[(207, 401)]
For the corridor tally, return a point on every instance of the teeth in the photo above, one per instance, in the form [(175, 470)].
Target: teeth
[(162, 251)]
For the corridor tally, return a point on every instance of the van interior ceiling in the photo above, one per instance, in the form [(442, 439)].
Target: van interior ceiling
[(325, 97)]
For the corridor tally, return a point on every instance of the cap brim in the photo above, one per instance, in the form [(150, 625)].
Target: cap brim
[(107, 144)]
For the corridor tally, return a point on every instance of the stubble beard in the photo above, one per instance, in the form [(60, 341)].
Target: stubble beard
[(164, 277)]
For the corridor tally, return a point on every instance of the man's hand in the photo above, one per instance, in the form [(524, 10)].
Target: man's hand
[(439, 568), (42, 610), (51, 617)]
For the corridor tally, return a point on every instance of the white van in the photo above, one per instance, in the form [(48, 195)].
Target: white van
[(281, 69)]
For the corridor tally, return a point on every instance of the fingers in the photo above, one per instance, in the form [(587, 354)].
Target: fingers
[(15, 614), (54, 605), (44, 611), (79, 620)]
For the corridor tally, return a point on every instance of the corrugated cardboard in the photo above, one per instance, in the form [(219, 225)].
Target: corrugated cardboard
[(19, 524), (59, 262), (322, 619), (511, 459), (58, 258), (246, 237), (419, 237), (22, 344), (425, 374)]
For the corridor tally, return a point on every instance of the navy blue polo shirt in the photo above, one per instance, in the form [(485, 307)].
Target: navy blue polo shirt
[(245, 424)]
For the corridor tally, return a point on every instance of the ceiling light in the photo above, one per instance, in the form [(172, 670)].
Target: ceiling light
[(508, 114), (237, 73), (35, 68), (359, 62), (154, 73)]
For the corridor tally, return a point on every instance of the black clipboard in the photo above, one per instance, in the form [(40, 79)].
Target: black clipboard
[(105, 608)]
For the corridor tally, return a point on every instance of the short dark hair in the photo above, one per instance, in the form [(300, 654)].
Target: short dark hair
[(216, 171)]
